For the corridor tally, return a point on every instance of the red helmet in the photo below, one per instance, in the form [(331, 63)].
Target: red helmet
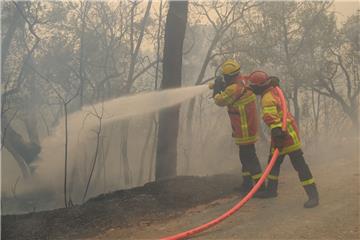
[(258, 78)]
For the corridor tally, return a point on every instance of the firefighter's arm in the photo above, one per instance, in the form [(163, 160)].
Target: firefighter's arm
[(228, 96), (271, 115)]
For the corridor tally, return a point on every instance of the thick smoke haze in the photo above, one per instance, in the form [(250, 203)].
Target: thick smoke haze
[(54, 50)]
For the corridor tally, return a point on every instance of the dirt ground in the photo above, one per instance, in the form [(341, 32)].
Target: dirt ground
[(161, 209), (121, 209), (337, 217)]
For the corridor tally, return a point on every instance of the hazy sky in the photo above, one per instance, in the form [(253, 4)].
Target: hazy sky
[(344, 9)]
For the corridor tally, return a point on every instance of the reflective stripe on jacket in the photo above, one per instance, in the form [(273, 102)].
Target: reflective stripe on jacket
[(241, 103), (272, 116)]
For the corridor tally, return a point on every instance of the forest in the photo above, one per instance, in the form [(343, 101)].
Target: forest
[(62, 58)]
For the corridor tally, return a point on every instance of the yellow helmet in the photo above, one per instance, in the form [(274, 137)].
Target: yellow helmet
[(230, 67)]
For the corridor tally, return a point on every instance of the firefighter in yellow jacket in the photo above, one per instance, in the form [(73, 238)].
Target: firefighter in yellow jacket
[(288, 142), (230, 90)]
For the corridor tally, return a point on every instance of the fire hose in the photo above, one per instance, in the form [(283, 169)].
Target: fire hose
[(242, 202)]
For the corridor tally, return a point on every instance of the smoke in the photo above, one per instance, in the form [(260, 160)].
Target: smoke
[(206, 148), (82, 128)]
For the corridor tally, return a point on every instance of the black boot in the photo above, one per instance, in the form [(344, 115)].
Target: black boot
[(313, 195), (262, 190), (271, 190), (247, 184)]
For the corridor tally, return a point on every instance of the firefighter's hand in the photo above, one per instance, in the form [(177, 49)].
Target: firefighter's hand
[(278, 136), (219, 85)]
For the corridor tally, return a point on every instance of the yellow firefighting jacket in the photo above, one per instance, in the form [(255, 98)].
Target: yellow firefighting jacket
[(272, 116), (241, 104)]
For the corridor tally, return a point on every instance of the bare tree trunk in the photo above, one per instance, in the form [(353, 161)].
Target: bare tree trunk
[(65, 105), (130, 80), (354, 117), (23, 152), (96, 154), (143, 154), (166, 154), (8, 36), (45, 123), (135, 52), (65, 154), (155, 122), (190, 111), (25, 170), (296, 105), (31, 127), (103, 153), (124, 151), (316, 110), (326, 113), (104, 158), (65, 102), (85, 7), (153, 151), (158, 47)]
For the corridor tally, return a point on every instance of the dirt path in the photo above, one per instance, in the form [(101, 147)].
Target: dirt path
[(163, 208), (337, 217)]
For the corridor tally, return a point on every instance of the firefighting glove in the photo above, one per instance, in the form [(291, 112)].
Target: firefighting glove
[(274, 81), (278, 136), (219, 85)]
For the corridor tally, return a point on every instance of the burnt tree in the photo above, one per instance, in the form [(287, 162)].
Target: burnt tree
[(166, 154)]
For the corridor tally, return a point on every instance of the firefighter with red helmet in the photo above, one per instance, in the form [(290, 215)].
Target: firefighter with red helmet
[(287, 141), (230, 90)]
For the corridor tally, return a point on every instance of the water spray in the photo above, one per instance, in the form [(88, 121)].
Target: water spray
[(82, 126)]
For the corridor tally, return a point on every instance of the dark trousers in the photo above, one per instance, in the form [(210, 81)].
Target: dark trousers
[(249, 160), (297, 161)]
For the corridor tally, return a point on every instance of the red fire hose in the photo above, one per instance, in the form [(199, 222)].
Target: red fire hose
[(283, 108), (248, 196)]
